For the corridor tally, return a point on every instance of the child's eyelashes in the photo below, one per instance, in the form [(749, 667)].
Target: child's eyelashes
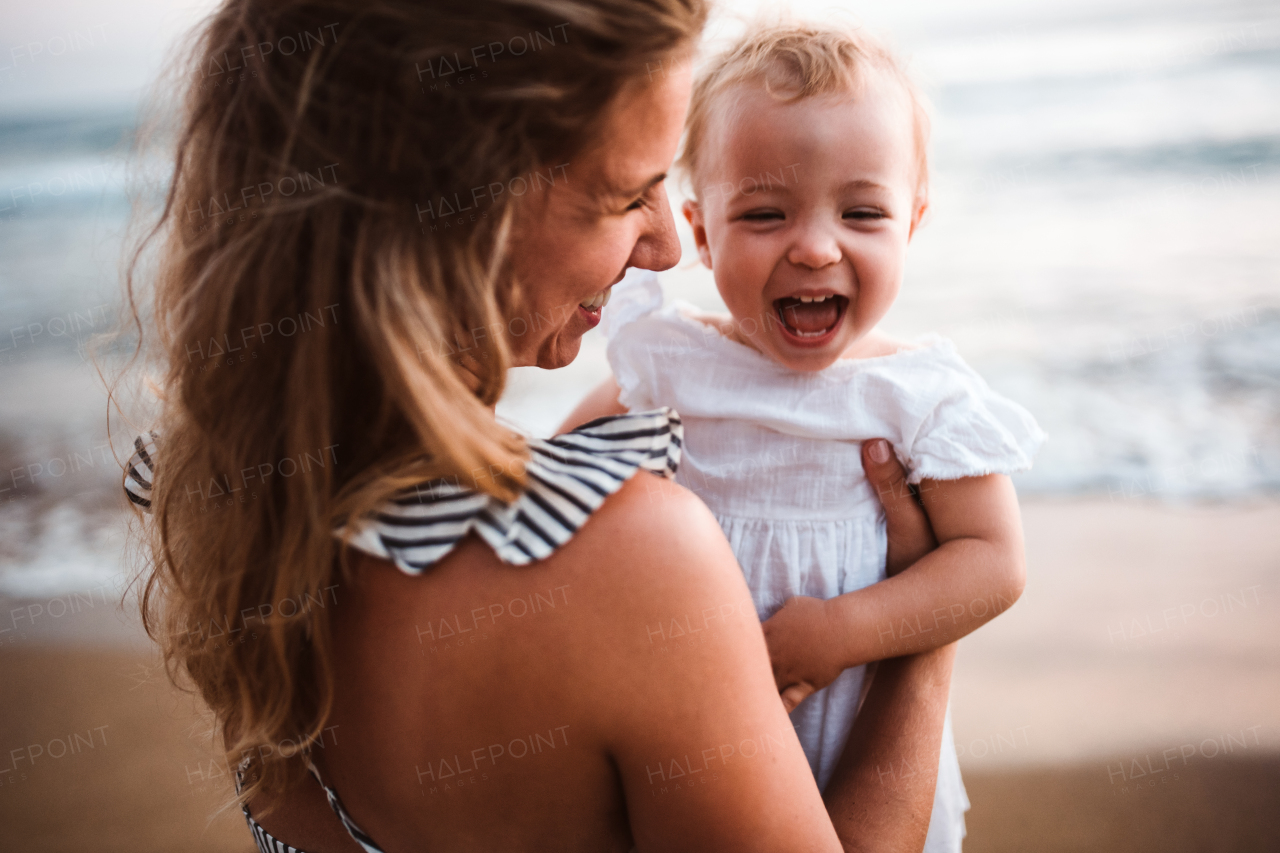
[(859, 214)]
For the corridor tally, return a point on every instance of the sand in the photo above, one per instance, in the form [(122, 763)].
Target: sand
[(1114, 708)]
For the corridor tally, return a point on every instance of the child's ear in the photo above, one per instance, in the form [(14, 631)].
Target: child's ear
[(922, 204), (693, 212)]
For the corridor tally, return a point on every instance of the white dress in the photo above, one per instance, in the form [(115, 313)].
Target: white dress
[(775, 454)]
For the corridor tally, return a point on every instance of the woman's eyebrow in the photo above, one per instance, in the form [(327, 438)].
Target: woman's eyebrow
[(643, 188)]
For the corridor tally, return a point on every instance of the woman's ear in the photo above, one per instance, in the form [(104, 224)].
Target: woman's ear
[(693, 212)]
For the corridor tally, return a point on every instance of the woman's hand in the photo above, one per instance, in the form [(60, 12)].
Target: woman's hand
[(804, 637), (910, 534), (802, 648), (900, 721)]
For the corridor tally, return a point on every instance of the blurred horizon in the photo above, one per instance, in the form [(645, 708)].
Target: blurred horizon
[(1100, 242)]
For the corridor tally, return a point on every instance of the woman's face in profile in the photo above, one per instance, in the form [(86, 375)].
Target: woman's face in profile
[(576, 239)]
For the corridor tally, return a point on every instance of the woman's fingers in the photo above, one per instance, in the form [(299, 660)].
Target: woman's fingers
[(795, 694), (910, 536)]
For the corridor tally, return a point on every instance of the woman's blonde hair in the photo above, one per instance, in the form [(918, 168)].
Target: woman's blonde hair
[(317, 296), (793, 61)]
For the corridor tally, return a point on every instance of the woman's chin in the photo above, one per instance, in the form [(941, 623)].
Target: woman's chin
[(559, 351)]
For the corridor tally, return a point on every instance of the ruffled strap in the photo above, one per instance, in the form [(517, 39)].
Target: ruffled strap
[(569, 477), (140, 472)]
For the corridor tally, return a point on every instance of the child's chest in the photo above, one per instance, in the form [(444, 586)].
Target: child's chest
[(745, 469)]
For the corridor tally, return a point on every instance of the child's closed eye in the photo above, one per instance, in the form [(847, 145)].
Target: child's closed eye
[(763, 215), (865, 213)]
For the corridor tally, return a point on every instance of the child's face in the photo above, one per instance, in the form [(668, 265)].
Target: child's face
[(810, 200)]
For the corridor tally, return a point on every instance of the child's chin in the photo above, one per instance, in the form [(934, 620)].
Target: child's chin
[(809, 360)]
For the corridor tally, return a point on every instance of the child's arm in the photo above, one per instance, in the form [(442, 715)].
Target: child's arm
[(600, 401), (977, 572)]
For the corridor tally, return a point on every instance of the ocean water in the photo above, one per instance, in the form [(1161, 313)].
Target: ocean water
[(1103, 242), (1103, 245)]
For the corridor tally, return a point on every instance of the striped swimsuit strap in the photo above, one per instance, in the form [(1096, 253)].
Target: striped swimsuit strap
[(569, 478), (269, 844)]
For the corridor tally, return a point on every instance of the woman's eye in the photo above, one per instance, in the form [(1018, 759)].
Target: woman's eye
[(864, 213), (762, 215)]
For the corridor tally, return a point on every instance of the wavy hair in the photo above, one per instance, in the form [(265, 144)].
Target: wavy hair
[(313, 296)]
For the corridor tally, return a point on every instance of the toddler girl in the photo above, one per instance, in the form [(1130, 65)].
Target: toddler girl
[(805, 150)]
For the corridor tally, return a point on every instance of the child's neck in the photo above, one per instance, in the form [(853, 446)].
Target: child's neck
[(875, 344)]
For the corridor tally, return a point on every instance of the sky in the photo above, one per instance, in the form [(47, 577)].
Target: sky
[(74, 56)]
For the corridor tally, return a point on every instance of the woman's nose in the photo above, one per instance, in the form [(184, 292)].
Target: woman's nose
[(659, 246), (815, 248)]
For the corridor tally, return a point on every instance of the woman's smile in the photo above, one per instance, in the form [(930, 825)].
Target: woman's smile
[(591, 308)]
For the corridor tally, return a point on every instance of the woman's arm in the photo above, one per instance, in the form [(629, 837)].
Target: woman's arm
[(896, 738), (600, 401), (880, 796), (706, 755), (705, 752)]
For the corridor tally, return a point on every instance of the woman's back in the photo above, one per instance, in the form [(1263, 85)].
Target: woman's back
[(461, 711), (552, 705)]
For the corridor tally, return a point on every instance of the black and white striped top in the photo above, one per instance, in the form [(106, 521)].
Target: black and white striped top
[(569, 477)]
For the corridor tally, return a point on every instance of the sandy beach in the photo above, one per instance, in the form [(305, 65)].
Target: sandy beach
[(1080, 725)]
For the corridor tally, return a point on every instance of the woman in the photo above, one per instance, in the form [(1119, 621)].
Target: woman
[(492, 168)]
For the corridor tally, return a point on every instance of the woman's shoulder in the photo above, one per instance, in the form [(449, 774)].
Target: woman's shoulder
[(654, 546), (568, 479)]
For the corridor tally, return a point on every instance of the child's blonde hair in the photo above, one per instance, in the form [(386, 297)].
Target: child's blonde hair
[(795, 61)]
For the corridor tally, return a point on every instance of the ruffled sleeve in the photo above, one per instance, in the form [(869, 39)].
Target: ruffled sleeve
[(970, 431), (639, 293), (141, 471), (570, 476)]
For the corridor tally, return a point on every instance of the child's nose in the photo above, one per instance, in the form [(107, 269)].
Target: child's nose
[(814, 248)]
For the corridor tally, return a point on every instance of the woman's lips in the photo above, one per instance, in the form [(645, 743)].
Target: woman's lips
[(591, 308)]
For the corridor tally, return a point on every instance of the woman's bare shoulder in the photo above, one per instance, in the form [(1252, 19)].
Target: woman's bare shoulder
[(658, 541), (669, 604), (651, 548)]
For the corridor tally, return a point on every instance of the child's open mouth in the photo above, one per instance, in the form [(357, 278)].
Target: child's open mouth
[(810, 320)]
